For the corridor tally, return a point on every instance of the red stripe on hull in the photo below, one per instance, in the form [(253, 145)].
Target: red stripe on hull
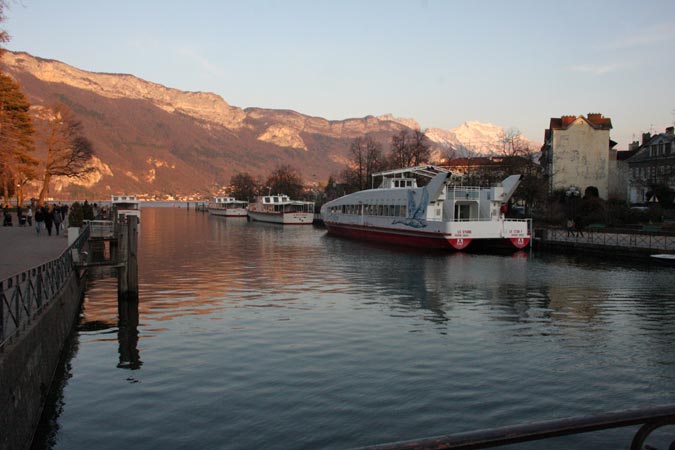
[(392, 238)]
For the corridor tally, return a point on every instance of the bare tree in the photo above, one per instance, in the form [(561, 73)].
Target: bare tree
[(409, 149), (419, 147), (366, 159), (244, 186), (285, 180), (512, 143), (68, 151), (4, 36)]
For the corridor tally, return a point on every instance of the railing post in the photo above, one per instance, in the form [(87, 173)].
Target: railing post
[(3, 299), (17, 309)]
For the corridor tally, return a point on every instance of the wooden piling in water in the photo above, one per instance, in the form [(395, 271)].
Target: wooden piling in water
[(132, 258), (122, 254)]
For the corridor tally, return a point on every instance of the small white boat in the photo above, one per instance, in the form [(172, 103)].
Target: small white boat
[(228, 207), (282, 210), (664, 258), (437, 215), (126, 205)]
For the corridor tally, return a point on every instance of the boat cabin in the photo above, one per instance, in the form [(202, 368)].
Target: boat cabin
[(282, 204), (126, 205), (222, 202), (398, 183)]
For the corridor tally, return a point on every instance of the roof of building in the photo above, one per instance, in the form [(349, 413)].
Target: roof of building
[(642, 153), (595, 120)]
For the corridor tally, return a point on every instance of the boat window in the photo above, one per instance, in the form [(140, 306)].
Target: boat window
[(397, 210)]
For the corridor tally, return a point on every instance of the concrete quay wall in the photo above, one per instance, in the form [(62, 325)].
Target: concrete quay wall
[(28, 364)]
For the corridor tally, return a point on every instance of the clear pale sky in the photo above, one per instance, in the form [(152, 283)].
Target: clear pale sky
[(511, 63)]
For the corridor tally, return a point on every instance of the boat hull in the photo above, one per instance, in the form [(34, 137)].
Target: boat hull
[(420, 239), (285, 218), (229, 212)]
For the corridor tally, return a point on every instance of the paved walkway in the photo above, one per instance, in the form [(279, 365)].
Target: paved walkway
[(21, 248)]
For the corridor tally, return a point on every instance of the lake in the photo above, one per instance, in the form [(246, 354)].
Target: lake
[(256, 336)]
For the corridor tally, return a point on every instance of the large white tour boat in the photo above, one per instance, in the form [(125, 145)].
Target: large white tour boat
[(437, 215), (126, 205), (282, 210), (228, 207)]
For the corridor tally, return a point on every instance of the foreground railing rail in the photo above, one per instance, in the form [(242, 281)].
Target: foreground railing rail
[(651, 419), (25, 294)]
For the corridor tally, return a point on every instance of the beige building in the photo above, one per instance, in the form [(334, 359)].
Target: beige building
[(577, 154)]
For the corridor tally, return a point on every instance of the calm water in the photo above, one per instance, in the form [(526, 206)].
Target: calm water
[(252, 336)]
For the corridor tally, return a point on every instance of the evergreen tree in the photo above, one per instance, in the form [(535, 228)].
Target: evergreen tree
[(17, 165)]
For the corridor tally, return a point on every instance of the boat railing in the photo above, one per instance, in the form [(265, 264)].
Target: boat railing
[(463, 193)]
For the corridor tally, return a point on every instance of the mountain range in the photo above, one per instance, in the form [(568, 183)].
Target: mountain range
[(168, 143)]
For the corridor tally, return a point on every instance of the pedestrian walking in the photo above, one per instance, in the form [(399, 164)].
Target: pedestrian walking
[(578, 227), (19, 216), (64, 215), (56, 213), (7, 217), (39, 218), (49, 219), (29, 216), (570, 227)]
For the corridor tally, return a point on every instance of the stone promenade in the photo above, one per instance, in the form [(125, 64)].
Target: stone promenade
[(22, 248)]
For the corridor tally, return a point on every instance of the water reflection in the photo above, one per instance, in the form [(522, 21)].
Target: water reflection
[(127, 335), (280, 332)]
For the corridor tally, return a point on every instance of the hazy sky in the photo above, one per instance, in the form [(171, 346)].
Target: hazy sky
[(514, 64)]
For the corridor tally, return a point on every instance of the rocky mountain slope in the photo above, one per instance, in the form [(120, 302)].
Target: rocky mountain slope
[(160, 141)]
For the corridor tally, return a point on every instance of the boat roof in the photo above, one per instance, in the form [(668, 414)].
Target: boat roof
[(124, 199), (428, 171), (229, 200)]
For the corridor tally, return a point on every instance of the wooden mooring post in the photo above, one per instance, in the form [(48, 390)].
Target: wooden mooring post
[(127, 269)]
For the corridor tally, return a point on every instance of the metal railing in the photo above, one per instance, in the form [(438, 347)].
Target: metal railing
[(620, 238), (25, 294), (651, 419), (101, 228)]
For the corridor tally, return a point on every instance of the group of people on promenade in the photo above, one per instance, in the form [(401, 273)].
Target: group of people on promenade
[(51, 217)]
